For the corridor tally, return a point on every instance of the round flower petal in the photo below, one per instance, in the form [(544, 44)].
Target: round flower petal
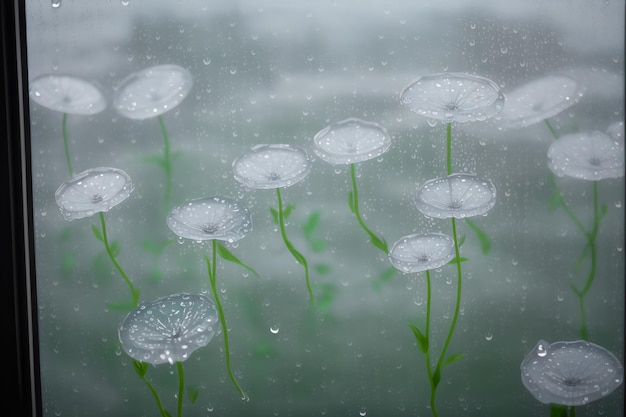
[(421, 252), (169, 329), (67, 94), (351, 141), (153, 91), (616, 131), (453, 97), (92, 191), (539, 99), (587, 156), (457, 195), (265, 167), (570, 373), (210, 218)]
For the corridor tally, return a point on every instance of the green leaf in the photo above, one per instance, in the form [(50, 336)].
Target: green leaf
[(274, 214), (227, 255), (68, 263), (155, 159), (583, 255), (311, 224), (326, 295), (457, 260), (422, 341), (436, 377), (97, 233), (485, 241), (351, 202), (299, 257), (115, 248), (462, 241), (318, 245), (603, 210), (387, 274), (287, 211), (154, 247), (322, 269), (452, 358), (556, 200), (192, 393), (378, 242), (140, 368)]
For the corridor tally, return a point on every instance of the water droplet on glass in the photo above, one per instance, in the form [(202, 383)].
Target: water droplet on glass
[(274, 329), (489, 337), (541, 351), (56, 3)]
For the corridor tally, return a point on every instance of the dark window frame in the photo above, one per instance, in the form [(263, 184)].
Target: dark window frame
[(20, 364)]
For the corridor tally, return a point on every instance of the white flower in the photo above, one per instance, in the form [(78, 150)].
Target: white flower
[(92, 191), (570, 373), (453, 97), (169, 329)]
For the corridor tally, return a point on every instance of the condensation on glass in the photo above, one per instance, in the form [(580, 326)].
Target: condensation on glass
[(328, 208)]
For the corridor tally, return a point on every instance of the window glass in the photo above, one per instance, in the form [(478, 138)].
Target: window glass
[(328, 208)]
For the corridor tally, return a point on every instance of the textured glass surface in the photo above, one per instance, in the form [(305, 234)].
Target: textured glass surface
[(387, 202)]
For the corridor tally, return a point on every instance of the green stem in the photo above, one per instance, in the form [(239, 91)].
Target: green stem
[(181, 387), (591, 243), (212, 270), (294, 252), (433, 386), (167, 163), (66, 145), (449, 148), (156, 397), (457, 306), (551, 129), (134, 291), (375, 240)]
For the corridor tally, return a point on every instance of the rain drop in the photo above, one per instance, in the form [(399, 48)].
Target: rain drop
[(56, 4), (274, 329)]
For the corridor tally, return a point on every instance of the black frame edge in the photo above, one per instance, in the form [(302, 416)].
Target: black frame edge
[(18, 293)]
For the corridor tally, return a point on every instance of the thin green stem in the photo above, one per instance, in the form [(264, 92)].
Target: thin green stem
[(375, 240), (167, 162), (433, 386), (458, 297), (66, 145), (156, 397), (591, 244), (212, 270), (294, 252), (551, 129), (449, 148), (181, 387), (134, 291)]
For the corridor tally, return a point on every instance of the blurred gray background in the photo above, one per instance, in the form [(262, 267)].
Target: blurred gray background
[(277, 72)]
